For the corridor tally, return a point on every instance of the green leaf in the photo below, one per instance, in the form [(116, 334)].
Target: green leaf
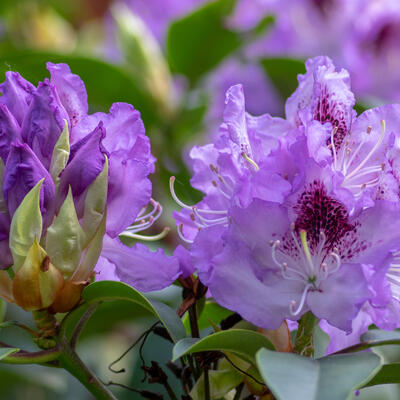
[(373, 339), (390, 373), (64, 238), (321, 342), (293, 377), (60, 155), (4, 352), (238, 341), (199, 41), (26, 226), (221, 382), (111, 290), (283, 73), (211, 312)]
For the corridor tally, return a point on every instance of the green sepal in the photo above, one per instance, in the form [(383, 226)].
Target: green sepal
[(37, 283), (95, 203), (26, 226), (60, 155), (64, 238), (92, 253)]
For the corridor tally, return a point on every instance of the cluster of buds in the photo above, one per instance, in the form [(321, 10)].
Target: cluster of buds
[(64, 178), (53, 256)]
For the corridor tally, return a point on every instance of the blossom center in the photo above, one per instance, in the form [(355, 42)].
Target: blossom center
[(299, 262)]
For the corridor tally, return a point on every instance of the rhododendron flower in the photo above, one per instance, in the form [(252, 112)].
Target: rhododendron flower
[(359, 149), (66, 180), (327, 241), (283, 260), (229, 170)]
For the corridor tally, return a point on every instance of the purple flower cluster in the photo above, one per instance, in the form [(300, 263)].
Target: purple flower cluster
[(46, 134), (300, 214)]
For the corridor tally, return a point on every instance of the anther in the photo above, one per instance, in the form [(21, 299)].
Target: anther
[(214, 183), (369, 129)]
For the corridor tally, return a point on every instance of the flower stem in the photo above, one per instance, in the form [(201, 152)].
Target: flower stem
[(304, 341), (81, 324), (206, 384), (70, 361)]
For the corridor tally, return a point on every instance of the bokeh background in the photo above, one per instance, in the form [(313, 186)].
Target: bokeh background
[(174, 60)]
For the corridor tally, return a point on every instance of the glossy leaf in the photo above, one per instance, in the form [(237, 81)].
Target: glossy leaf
[(4, 352), (199, 41), (110, 290), (221, 382), (293, 377), (283, 74), (238, 341), (211, 313), (390, 373), (321, 342)]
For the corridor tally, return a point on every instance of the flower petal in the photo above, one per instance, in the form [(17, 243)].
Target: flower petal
[(340, 296), (71, 90), (138, 266), (44, 122), (22, 172), (17, 95)]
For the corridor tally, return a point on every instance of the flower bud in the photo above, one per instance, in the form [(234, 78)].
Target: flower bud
[(38, 281)]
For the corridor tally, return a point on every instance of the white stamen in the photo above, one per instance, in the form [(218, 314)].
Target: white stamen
[(186, 206), (370, 154), (302, 301), (150, 238), (182, 236)]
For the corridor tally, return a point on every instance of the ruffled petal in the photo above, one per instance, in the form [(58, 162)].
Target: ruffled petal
[(185, 261), (261, 297), (71, 90), (10, 132), (129, 190), (17, 95), (44, 122), (22, 172), (85, 163), (138, 266), (340, 296)]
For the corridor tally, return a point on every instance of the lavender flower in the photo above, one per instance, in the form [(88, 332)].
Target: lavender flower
[(67, 178), (325, 243), (228, 172)]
